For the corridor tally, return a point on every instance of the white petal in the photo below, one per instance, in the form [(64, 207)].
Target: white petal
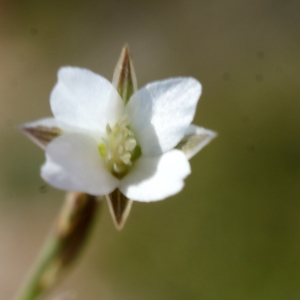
[(195, 139), (73, 163), (155, 178), (84, 99), (161, 112)]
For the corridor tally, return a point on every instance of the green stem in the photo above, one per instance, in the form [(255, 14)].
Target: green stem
[(62, 246)]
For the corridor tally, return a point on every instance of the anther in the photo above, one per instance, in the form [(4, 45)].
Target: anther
[(124, 121), (116, 169), (108, 155), (126, 158), (118, 147), (130, 144), (120, 150), (119, 137)]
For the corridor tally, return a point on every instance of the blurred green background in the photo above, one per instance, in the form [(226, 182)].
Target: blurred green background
[(234, 231)]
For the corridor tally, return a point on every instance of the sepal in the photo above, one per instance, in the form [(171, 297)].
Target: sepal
[(42, 132), (194, 140), (119, 207), (124, 78)]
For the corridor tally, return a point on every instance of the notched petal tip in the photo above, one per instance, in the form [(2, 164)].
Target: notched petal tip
[(41, 135), (124, 78), (195, 139), (119, 207)]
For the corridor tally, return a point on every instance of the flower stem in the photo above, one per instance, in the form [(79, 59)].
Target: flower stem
[(62, 246)]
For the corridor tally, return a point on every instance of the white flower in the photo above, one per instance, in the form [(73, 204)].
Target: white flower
[(95, 143)]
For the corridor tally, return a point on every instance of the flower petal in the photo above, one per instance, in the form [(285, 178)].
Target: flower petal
[(155, 178), (194, 140), (73, 163), (84, 99), (161, 112)]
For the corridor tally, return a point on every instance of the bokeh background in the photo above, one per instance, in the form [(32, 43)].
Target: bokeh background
[(234, 231)]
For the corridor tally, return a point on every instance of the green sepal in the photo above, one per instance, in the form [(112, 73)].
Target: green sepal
[(41, 135), (195, 139), (119, 207), (124, 79)]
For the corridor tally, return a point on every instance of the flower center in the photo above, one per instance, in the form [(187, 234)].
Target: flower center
[(120, 148)]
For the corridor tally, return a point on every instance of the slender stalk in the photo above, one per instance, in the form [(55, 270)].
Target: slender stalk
[(62, 246)]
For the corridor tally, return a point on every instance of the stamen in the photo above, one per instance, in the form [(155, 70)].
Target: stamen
[(124, 121), (108, 155), (130, 144), (125, 158), (119, 137), (120, 150), (119, 147), (116, 169)]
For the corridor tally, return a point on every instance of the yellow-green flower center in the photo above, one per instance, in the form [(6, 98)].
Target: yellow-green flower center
[(120, 148)]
